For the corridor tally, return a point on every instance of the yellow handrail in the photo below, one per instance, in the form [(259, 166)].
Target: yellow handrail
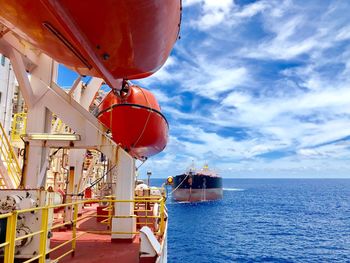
[(8, 154), (11, 229)]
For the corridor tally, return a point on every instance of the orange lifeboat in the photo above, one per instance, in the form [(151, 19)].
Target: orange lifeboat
[(135, 121), (124, 39)]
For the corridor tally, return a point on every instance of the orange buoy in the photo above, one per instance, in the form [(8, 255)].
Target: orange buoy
[(135, 121)]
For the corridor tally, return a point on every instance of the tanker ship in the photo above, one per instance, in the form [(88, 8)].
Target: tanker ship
[(197, 185)]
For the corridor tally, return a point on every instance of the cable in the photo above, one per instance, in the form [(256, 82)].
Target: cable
[(142, 162), (97, 180), (55, 152), (148, 117), (179, 185)]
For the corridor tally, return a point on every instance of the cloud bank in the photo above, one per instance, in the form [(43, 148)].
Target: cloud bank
[(258, 89)]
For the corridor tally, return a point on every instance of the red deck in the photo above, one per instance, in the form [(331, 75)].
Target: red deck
[(94, 247)]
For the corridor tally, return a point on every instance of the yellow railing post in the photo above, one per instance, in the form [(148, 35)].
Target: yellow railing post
[(162, 218), (147, 207), (10, 238), (43, 235), (110, 213), (74, 228)]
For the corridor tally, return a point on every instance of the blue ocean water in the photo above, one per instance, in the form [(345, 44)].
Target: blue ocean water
[(264, 220)]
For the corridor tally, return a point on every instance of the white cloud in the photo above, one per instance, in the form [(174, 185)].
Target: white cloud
[(252, 9), (211, 80), (187, 3), (164, 99), (258, 104), (213, 12), (205, 77), (236, 99), (224, 12), (295, 31), (343, 34)]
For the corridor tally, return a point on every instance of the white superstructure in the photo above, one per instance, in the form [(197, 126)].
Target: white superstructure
[(8, 87)]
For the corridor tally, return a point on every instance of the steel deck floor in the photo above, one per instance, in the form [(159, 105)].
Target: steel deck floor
[(92, 247)]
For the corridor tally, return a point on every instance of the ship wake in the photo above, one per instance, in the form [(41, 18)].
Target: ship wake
[(233, 189)]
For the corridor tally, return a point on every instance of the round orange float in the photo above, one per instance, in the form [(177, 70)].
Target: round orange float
[(135, 121)]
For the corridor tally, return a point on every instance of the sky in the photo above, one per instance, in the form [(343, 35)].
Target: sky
[(257, 89)]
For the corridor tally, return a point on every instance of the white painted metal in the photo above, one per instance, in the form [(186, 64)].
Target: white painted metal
[(163, 254), (24, 199), (84, 95), (125, 185), (21, 76), (149, 247), (7, 89), (43, 97), (39, 120)]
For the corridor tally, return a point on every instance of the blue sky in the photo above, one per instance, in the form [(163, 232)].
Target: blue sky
[(257, 89)]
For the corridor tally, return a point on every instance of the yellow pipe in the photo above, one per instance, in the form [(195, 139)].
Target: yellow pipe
[(74, 230), (63, 255), (162, 221), (105, 221), (4, 244), (31, 209), (136, 216), (43, 236), (11, 155), (5, 215), (60, 225), (64, 243), (28, 235), (32, 259), (10, 238)]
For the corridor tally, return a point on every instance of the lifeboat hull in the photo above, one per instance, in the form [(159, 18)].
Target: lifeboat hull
[(136, 123), (109, 39)]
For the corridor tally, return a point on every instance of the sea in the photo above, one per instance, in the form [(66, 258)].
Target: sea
[(264, 220)]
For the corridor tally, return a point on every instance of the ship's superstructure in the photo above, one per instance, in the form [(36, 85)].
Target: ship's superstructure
[(68, 180), (8, 88)]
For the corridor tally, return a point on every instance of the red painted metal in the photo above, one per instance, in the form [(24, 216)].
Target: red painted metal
[(124, 39), (197, 195), (88, 193), (93, 247), (102, 212), (135, 121)]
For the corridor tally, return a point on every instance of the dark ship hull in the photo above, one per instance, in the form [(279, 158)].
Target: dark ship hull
[(197, 187)]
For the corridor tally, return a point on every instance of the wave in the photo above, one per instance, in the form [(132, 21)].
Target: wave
[(233, 189)]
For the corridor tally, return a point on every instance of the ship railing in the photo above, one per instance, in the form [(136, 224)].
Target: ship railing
[(46, 228), (9, 157)]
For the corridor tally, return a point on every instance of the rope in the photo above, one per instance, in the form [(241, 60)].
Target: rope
[(149, 115), (141, 164), (97, 180), (146, 123), (179, 185)]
